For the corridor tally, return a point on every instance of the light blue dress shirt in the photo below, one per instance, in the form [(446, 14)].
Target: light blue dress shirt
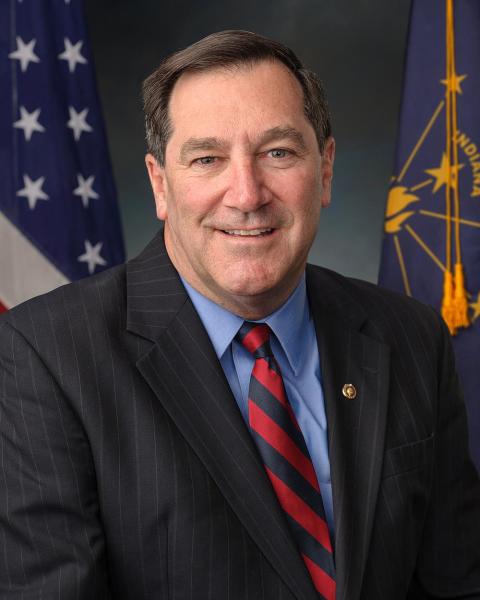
[(294, 346)]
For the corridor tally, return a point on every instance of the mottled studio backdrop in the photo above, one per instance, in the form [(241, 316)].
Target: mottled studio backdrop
[(356, 46)]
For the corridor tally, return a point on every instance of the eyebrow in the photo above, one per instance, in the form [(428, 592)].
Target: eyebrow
[(284, 133), (208, 144), (201, 144)]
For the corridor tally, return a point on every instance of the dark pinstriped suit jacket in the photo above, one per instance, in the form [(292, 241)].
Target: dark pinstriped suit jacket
[(128, 472)]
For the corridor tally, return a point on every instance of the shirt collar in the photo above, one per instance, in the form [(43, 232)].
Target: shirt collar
[(289, 323), (221, 324)]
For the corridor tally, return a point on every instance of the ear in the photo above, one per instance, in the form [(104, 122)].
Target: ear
[(159, 185), (326, 171)]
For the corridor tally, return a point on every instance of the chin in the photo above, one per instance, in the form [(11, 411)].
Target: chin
[(251, 285)]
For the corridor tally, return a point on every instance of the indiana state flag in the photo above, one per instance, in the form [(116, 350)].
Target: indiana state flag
[(431, 247), (59, 219)]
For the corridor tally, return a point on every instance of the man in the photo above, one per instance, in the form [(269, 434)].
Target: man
[(215, 419)]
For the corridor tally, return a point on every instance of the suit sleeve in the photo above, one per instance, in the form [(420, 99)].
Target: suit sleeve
[(51, 540), (449, 562)]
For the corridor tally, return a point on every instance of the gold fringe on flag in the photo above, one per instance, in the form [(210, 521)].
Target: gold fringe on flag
[(460, 300), (448, 313)]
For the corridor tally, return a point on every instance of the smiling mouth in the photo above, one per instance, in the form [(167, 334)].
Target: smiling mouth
[(248, 232)]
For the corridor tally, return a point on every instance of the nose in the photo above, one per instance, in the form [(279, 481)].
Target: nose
[(246, 191)]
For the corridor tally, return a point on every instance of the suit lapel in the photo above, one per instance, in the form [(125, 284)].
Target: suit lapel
[(356, 427), (183, 371)]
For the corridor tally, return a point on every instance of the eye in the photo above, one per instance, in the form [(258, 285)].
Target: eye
[(205, 160), (279, 153)]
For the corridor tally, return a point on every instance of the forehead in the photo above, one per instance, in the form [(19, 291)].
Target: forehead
[(246, 97)]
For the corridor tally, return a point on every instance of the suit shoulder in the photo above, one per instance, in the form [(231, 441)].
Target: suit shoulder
[(70, 305), (389, 311)]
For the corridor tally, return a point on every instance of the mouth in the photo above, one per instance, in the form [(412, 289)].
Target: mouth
[(249, 233)]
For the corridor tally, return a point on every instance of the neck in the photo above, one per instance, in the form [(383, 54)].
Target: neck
[(248, 307), (252, 308)]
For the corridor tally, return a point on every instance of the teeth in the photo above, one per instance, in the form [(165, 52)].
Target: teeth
[(247, 231)]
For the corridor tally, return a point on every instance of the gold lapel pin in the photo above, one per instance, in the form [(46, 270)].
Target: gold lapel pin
[(349, 391)]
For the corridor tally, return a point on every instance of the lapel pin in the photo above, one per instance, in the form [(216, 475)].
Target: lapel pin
[(349, 391)]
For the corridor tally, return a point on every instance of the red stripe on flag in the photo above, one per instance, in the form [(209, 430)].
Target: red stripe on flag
[(322, 581), (256, 337), (2, 308), (274, 435), (301, 512)]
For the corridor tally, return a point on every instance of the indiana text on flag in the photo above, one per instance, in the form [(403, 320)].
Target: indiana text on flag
[(431, 246), (59, 219)]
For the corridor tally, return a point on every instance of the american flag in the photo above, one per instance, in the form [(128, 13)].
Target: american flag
[(59, 218)]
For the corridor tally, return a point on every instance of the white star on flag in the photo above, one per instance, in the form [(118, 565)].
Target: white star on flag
[(78, 122), (72, 54), (33, 191), (92, 256), (24, 53), (29, 122), (84, 189)]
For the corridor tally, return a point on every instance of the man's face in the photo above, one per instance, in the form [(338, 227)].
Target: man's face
[(243, 185)]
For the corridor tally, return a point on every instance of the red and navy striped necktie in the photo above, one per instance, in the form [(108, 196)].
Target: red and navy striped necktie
[(286, 458)]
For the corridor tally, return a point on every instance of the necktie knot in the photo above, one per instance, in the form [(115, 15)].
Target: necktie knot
[(255, 337)]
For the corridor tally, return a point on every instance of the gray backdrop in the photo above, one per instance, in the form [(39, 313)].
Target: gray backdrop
[(357, 47)]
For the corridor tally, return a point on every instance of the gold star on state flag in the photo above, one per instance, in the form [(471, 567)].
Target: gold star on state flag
[(476, 307), (441, 174), (453, 83)]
